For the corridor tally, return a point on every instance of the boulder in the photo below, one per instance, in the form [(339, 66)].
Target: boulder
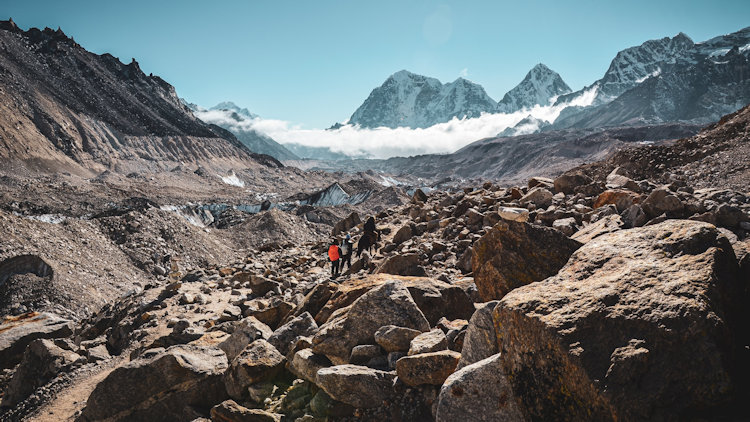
[(19, 331), (419, 196), (260, 361), (364, 353), (567, 226), (513, 254), (520, 215), (639, 325), (621, 199), (230, 411), (166, 385), (478, 392), (357, 386), (343, 226), (41, 362), (402, 264), (427, 368), (633, 216), (388, 304), (431, 341), (287, 335), (480, 341), (316, 298), (395, 339), (306, 364), (268, 311), (589, 232), (437, 299), (662, 201), (539, 196), (569, 181), (245, 332), (619, 180), (403, 234), (544, 182)]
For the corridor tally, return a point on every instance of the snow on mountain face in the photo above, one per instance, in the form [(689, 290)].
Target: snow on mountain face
[(228, 105), (409, 100), (539, 86)]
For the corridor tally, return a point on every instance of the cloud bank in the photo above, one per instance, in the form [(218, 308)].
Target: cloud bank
[(355, 141)]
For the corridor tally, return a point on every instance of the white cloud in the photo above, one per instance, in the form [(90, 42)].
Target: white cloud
[(385, 142), (464, 73)]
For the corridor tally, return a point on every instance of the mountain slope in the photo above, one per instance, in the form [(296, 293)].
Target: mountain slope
[(64, 108), (539, 86), (239, 122), (406, 99)]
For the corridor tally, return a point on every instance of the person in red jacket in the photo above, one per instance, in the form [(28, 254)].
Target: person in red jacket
[(334, 255)]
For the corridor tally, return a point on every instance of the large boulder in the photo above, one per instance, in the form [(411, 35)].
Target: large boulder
[(388, 304), (356, 385), (641, 324), (479, 392), (567, 183), (480, 341), (167, 386), (607, 224), (287, 335), (395, 339), (662, 201), (539, 196), (431, 341), (260, 361), (41, 362), (402, 264), (403, 234), (230, 411), (513, 254), (306, 364), (437, 299), (427, 368), (245, 332), (19, 331)]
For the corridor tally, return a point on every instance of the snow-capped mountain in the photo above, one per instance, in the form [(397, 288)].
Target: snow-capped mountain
[(699, 84), (634, 65), (540, 85), (406, 99), (238, 121)]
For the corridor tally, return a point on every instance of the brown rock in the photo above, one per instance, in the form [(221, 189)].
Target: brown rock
[(427, 368), (402, 264), (568, 182), (259, 361), (621, 199), (513, 254), (431, 341), (608, 224), (346, 224), (356, 385), (395, 339), (230, 411), (618, 333)]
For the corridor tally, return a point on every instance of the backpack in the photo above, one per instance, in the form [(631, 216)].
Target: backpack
[(333, 252)]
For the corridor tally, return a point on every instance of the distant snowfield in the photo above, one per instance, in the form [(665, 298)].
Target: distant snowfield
[(385, 142)]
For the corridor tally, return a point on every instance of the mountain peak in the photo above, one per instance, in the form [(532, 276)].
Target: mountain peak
[(540, 85), (231, 106)]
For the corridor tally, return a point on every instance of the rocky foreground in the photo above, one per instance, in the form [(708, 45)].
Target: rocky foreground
[(567, 299), (612, 292)]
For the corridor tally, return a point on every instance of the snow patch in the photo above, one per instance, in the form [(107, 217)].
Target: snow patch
[(389, 181), (655, 73), (233, 180)]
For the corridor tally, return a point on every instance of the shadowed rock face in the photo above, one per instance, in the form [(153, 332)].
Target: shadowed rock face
[(641, 324), (161, 386)]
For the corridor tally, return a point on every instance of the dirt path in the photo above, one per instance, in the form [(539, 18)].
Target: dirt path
[(69, 401)]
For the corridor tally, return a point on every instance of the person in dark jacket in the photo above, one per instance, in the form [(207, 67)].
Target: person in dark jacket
[(347, 246), (334, 255)]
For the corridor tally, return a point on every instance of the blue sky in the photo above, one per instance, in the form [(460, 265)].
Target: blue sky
[(312, 63)]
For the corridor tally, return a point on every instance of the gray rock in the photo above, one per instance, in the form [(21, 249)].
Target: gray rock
[(245, 332), (260, 361), (567, 183), (431, 341), (481, 339), (364, 353), (403, 234), (41, 362), (306, 364), (539, 196), (662, 201), (402, 264), (19, 331), (388, 304), (478, 392), (165, 386), (395, 339), (608, 224), (287, 335), (567, 226), (357, 386), (230, 411)]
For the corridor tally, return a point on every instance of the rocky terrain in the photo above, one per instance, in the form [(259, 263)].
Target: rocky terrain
[(616, 291)]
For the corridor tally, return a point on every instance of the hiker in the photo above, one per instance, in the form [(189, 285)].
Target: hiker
[(334, 255), (347, 246)]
